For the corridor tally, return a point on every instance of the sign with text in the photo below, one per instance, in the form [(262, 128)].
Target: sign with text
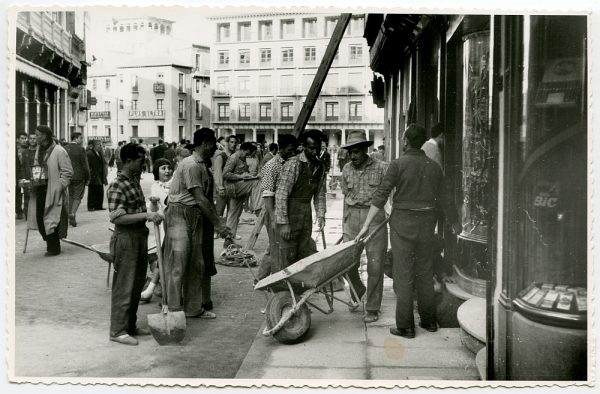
[(103, 138), (99, 114), (154, 114)]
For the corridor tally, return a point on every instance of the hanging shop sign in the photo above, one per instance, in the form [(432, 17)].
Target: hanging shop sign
[(99, 114)]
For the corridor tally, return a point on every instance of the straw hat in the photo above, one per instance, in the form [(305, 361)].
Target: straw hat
[(357, 138)]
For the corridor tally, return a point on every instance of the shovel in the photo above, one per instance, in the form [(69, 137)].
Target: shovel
[(167, 328)]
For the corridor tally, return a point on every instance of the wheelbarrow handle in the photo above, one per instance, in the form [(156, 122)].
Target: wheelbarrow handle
[(377, 229)]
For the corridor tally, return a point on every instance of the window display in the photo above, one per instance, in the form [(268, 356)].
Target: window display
[(550, 177)]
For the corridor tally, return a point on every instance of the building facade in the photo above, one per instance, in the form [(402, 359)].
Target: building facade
[(263, 66), (511, 95), (51, 71), (165, 95)]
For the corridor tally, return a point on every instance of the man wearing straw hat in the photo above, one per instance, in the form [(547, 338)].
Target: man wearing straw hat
[(360, 177)]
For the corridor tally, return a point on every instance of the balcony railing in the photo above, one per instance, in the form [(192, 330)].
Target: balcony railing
[(159, 87), (135, 89)]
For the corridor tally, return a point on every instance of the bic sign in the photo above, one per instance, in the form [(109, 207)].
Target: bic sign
[(545, 200)]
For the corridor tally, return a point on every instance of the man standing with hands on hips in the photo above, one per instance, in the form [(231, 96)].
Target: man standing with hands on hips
[(360, 178), (418, 197)]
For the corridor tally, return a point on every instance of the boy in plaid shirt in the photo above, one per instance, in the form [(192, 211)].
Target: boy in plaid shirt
[(128, 245)]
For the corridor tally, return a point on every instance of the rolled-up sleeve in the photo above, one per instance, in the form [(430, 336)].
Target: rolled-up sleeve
[(116, 202), (381, 194)]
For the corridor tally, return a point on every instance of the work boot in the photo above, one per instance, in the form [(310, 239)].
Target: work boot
[(403, 332), (139, 332), (371, 317)]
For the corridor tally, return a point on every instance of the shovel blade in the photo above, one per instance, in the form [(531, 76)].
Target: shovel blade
[(167, 328)]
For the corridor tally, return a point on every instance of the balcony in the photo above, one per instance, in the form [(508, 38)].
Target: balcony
[(356, 118), (181, 115), (135, 89), (180, 90), (158, 87)]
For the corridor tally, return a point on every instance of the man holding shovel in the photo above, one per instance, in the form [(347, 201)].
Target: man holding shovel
[(190, 221), (128, 245)]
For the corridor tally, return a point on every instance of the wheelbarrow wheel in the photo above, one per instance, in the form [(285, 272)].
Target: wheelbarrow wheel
[(296, 327)]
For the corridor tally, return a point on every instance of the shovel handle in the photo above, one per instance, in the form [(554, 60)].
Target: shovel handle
[(161, 267)]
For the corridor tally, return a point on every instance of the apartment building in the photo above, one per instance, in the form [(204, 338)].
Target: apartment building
[(263, 66), (151, 100), (162, 94), (51, 71)]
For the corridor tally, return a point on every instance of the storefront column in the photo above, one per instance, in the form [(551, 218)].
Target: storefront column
[(343, 137), (254, 134), (275, 135)]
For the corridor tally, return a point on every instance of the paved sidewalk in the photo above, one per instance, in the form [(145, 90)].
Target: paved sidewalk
[(341, 346)]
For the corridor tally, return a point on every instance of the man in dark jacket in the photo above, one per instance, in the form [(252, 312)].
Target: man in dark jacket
[(98, 174), (158, 152), (417, 200), (81, 175)]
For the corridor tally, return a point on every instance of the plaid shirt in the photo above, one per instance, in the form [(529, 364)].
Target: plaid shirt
[(358, 184), (125, 196), (287, 179), (270, 176)]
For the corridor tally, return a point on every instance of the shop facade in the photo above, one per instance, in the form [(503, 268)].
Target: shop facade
[(510, 93)]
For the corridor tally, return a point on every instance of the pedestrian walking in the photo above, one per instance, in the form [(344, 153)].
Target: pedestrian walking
[(98, 176), (268, 183), (360, 178), (128, 245), (81, 175), (50, 177), (302, 180), (21, 157), (239, 185), (190, 220), (117, 156), (219, 160), (419, 194)]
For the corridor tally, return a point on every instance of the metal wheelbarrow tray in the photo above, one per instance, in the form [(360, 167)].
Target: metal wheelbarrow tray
[(288, 317)]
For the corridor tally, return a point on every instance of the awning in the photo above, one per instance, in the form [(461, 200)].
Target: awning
[(35, 71)]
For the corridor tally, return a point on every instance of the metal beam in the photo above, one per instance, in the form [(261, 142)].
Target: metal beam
[(317, 83)]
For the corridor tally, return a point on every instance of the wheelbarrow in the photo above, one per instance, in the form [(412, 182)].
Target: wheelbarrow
[(103, 250), (287, 313)]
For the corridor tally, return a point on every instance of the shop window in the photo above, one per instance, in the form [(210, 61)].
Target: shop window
[(550, 172), (355, 110)]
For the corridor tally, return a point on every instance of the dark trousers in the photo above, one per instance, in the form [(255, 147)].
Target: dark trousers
[(299, 246), (52, 240), (354, 218), (18, 201), (95, 197), (412, 237), (129, 248)]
